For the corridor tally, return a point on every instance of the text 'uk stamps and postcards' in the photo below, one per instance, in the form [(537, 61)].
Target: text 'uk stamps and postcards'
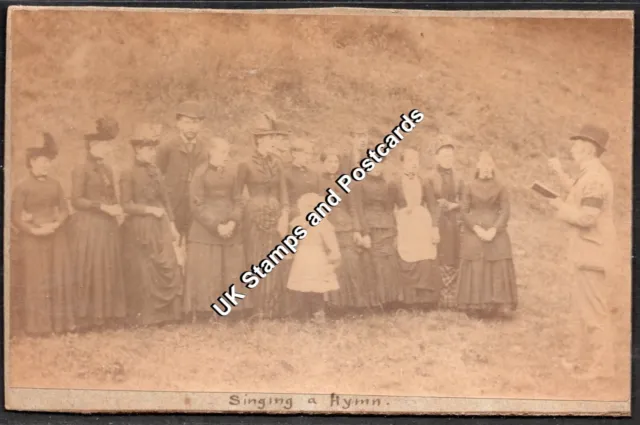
[(320, 211)]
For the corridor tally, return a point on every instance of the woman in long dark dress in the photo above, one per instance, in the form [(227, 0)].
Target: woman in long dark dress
[(96, 242), (266, 215), (215, 254), (379, 239), (448, 188), (39, 211), (352, 295), (418, 235), (154, 276), (487, 282)]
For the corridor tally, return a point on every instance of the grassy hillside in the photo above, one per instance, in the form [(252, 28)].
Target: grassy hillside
[(516, 87)]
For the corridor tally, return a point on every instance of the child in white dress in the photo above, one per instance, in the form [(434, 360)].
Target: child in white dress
[(313, 271)]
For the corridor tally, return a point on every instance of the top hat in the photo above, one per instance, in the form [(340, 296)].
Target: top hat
[(146, 134), (49, 149), (444, 140), (191, 109), (266, 124), (594, 134), (106, 129)]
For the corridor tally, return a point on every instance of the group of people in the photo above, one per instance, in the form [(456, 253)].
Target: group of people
[(186, 222), (181, 229)]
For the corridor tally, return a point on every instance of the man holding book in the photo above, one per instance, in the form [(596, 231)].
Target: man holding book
[(587, 210)]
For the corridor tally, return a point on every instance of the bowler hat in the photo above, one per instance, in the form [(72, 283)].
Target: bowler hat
[(191, 109), (107, 128), (267, 124), (146, 134), (594, 134), (49, 149)]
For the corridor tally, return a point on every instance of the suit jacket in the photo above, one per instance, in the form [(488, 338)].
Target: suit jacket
[(588, 209), (178, 166)]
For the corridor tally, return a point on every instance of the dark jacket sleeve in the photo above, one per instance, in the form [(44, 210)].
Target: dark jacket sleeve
[(78, 199), (352, 203), (465, 209), (63, 206), (242, 175), (429, 198), (126, 194), (357, 197), (238, 201), (165, 198), (162, 157), (17, 208), (282, 181), (196, 198), (461, 189), (505, 210), (395, 200)]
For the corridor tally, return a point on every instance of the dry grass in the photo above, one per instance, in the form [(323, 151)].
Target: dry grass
[(516, 87)]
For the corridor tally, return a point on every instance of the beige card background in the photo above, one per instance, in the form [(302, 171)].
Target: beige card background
[(516, 86)]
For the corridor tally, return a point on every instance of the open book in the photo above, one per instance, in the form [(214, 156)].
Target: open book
[(544, 190)]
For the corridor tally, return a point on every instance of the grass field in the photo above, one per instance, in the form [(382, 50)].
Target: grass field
[(515, 87)]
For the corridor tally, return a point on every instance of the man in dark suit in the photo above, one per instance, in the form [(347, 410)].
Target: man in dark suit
[(178, 160)]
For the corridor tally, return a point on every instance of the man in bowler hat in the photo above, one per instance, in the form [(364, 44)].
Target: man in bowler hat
[(179, 158), (587, 211)]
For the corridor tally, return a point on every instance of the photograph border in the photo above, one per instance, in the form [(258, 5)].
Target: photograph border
[(197, 399)]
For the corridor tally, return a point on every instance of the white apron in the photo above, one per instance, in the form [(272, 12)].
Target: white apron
[(415, 226)]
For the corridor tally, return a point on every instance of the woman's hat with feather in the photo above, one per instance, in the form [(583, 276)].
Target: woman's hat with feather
[(267, 124), (49, 149), (107, 129)]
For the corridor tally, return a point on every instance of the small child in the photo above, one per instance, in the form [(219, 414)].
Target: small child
[(313, 271)]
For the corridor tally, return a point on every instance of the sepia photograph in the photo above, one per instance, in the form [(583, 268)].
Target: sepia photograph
[(335, 211)]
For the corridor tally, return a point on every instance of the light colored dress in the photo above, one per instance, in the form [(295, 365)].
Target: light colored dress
[(415, 226), (313, 268)]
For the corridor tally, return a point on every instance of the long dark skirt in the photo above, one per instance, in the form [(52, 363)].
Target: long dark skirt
[(484, 285), (47, 283), (98, 273), (421, 280), (352, 275), (385, 285), (210, 270), (271, 298), (154, 278)]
